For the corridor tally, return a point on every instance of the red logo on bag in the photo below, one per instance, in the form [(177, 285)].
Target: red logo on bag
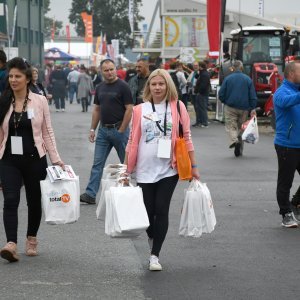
[(65, 198)]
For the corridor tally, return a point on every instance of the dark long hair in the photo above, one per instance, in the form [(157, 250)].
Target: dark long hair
[(7, 95)]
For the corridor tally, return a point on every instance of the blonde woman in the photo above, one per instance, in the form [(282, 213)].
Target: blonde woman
[(150, 152)]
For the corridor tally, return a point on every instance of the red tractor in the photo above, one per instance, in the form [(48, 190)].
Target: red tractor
[(261, 49)]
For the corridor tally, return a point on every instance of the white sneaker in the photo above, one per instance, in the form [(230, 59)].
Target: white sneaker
[(154, 264)]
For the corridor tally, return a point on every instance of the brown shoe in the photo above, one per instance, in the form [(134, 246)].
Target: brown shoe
[(9, 252), (31, 245)]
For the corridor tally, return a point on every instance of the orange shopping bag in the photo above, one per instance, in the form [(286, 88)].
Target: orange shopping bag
[(184, 166)]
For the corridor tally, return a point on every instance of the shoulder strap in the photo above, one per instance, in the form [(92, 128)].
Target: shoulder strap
[(179, 123)]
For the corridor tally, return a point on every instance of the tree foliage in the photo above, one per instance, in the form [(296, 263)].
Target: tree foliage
[(48, 22), (109, 17)]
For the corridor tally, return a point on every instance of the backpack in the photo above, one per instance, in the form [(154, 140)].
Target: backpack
[(176, 82)]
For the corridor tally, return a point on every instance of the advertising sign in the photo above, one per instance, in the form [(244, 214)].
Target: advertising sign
[(186, 31), (189, 55)]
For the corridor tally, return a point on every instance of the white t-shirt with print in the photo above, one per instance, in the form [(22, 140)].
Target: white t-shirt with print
[(150, 168)]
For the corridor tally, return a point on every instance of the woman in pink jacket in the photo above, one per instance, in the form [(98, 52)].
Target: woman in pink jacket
[(26, 135), (151, 153)]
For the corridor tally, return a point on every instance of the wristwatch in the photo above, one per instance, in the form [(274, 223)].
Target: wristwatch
[(92, 130)]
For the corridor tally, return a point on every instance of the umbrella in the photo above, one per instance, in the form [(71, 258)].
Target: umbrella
[(57, 54)]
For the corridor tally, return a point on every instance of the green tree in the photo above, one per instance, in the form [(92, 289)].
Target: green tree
[(48, 22), (109, 17)]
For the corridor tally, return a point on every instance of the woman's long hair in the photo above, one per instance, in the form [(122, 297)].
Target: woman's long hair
[(7, 95), (171, 93)]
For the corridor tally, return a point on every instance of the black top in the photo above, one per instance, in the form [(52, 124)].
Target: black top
[(25, 131), (37, 89), (112, 97), (203, 83)]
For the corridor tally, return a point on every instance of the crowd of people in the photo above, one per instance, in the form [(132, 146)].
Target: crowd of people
[(78, 83), (146, 98)]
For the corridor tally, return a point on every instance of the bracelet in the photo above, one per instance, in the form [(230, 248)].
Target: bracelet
[(194, 166), (92, 130)]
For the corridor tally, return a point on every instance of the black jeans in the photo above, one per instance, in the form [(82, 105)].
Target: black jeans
[(84, 104), (202, 109), (184, 99), (195, 103), (15, 169), (288, 163), (157, 198)]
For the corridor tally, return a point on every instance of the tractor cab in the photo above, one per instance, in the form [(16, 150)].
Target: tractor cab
[(258, 44), (294, 45)]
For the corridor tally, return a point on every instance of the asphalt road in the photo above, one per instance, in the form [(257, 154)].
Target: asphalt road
[(248, 256)]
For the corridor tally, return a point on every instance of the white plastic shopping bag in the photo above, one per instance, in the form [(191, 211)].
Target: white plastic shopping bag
[(251, 135), (126, 215), (112, 171), (198, 214), (106, 184), (60, 201)]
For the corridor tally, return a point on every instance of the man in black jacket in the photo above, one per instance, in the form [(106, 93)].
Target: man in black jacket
[(202, 93)]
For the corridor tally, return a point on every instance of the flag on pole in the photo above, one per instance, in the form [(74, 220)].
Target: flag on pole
[(68, 36), (14, 24), (214, 26), (104, 46), (53, 30), (261, 8), (98, 43), (131, 14), (88, 24), (99, 50), (116, 48)]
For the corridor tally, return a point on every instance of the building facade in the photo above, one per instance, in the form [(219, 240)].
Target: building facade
[(183, 27), (22, 23)]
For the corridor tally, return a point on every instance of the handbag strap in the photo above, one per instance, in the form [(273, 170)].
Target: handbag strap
[(179, 123)]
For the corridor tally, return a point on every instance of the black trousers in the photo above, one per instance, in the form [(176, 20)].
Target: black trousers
[(288, 163), (157, 198), (14, 170), (84, 104)]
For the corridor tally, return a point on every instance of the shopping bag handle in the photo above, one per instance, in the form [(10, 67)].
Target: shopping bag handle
[(195, 185)]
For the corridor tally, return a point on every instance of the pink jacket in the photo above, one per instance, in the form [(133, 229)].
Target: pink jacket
[(136, 133), (41, 127)]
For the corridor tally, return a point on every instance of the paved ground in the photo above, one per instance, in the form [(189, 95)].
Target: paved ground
[(248, 256)]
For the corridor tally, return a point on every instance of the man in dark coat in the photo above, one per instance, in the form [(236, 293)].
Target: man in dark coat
[(202, 93), (59, 81)]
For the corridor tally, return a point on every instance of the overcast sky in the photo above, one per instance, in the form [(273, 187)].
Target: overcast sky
[(287, 11)]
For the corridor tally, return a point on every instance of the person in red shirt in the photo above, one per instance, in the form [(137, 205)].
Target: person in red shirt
[(121, 73)]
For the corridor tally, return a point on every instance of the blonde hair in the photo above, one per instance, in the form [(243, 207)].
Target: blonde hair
[(171, 93)]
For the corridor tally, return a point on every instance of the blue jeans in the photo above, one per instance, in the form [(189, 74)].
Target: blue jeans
[(72, 91), (106, 139)]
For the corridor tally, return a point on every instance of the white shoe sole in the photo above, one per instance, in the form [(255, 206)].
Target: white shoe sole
[(155, 268), (295, 225)]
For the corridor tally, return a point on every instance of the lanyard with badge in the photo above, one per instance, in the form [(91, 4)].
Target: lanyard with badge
[(164, 143), (16, 141)]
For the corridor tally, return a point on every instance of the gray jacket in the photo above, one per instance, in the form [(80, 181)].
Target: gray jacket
[(85, 86)]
